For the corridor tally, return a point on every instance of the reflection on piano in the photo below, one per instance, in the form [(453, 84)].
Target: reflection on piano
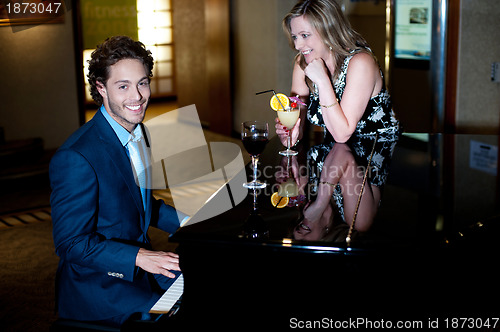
[(400, 269)]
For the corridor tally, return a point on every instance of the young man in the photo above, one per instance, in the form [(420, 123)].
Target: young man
[(107, 270)]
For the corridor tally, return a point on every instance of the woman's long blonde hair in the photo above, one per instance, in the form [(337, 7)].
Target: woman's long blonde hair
[(332, 26)]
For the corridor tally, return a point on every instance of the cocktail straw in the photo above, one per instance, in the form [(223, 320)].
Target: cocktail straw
[(274, 93), (258, 93)]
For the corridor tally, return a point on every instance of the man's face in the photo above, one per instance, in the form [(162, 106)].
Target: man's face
[(126, 93)]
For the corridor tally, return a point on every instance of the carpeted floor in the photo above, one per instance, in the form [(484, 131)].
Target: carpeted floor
[(28, 266), (28, 262)]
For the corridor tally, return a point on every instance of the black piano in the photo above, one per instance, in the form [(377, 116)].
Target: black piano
[(422, 248)]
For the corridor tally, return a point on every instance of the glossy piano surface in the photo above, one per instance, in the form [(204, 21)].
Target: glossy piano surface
[(423, 243)]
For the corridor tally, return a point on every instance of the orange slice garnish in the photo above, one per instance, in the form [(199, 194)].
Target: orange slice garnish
[(278, 201), (275, 104)]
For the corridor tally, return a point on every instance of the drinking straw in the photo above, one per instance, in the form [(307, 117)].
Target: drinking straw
[(274, 93), (258, 93)]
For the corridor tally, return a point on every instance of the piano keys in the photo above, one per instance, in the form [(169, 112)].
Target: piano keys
[(170, 301)]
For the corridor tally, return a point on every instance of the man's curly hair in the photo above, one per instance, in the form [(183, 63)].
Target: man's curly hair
[(110, 52)]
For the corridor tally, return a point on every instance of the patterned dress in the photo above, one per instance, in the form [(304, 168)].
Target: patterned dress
[(378, 130), (362, 148), (378, 117)]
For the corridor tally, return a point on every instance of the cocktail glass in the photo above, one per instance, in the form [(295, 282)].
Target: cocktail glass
[(288, 118)]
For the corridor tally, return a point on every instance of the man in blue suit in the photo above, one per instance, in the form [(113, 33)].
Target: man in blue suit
[(107, 269)]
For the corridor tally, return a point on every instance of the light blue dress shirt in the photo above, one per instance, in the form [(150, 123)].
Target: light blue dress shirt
[(124, 136)]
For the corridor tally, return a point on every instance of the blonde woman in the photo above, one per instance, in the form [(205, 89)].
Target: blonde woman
[(336, 74)]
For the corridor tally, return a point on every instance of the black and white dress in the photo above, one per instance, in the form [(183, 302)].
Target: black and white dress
[(379, 149), (377, 131), (378, 118)]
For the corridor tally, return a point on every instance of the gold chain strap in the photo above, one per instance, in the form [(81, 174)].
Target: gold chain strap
[(348, 238)]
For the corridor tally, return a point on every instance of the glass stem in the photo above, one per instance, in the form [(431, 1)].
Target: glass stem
[(254, 199), (288, 148), (255, 161)]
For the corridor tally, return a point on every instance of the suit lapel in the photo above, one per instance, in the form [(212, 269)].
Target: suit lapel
[(149, 192), (118, 155)]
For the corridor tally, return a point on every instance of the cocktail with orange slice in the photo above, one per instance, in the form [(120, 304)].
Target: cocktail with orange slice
[(288, 114), (286, 190)]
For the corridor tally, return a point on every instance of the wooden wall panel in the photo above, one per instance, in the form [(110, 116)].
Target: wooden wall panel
[(203, 60)]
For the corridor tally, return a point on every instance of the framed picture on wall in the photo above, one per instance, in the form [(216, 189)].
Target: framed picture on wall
[(412, 33), (31, 12)]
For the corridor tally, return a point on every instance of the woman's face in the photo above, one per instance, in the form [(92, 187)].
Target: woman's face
[(307, 40), (309, 230)]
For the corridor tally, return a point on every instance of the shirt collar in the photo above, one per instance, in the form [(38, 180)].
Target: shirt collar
[(136, 135), (123, 135)]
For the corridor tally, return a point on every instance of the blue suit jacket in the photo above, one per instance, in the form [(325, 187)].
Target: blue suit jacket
[(99, 224)]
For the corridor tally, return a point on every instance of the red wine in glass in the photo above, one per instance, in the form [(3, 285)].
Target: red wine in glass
[(254, 135), (255, 144)]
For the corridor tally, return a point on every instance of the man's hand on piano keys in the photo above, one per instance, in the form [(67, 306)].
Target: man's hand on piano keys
[(158, 262)]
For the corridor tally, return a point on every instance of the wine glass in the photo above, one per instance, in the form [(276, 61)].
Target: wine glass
[(254, 135), (288, 118)]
